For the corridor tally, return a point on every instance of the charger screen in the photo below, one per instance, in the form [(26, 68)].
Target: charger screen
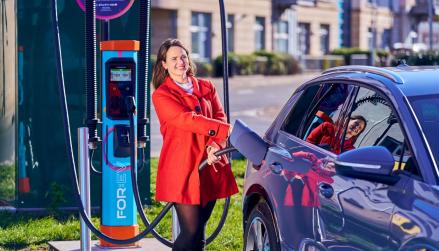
[(120, 74)]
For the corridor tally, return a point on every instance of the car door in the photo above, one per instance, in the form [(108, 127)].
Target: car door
[(358, 215), (296, 167)]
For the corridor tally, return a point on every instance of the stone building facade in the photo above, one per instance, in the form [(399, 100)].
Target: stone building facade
[(297, 27)]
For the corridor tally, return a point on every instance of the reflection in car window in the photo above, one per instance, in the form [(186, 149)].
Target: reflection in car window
[(378, 114), (427, 111), (325, 134), (299, 110), (382, 128), (320, 124)]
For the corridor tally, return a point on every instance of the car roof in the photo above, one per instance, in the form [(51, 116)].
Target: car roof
[(413, 81)]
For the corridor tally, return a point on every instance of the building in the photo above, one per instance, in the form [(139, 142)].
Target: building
[(411, 27), (371, 23), (307, 27), (390, 24), (318, 26), (198, 25)]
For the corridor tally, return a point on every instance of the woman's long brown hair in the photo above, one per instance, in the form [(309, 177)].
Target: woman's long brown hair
[(159, 73)]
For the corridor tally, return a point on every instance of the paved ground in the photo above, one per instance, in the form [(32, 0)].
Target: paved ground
[(256, 100), (147, 244)]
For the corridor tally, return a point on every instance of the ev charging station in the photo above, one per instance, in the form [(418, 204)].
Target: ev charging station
[(121, 66), (119, 82)]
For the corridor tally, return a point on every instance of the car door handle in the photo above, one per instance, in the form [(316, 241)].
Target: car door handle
[(276, 168), (326, 190)]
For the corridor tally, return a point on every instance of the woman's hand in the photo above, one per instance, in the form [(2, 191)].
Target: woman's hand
[(211, 158)]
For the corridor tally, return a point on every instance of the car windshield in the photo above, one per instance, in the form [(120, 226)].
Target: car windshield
[(427, 111)]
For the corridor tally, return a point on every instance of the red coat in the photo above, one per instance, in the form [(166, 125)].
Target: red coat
[(188, 124), (325, 134)]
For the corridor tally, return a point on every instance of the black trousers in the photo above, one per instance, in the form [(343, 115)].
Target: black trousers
[(192, 219)]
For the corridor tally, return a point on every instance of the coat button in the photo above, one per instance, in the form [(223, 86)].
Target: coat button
[(197, 109), (212, 132)]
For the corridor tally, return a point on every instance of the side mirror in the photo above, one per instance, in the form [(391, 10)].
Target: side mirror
[(373, 163), (248, 143)]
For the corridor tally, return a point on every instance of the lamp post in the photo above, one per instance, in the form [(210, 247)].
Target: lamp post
[(430, 24), (373, 30)]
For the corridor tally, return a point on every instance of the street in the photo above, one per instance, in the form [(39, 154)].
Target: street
[(256, 100)]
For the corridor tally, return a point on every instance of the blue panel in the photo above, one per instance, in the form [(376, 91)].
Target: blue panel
[(118, 206)]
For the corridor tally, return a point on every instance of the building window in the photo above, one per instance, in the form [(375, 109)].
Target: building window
[(231, 32), (304, 38), (324, 38), (345, 10), (381, 3), (281, 36), (385, 39), (201, 36), (259, 33)]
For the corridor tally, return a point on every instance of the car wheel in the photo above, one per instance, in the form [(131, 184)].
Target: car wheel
[(260, 232)]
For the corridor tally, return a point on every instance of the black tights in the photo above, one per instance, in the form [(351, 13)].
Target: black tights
[(192, 219)]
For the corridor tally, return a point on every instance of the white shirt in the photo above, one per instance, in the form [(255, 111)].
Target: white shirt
[(187, 87)]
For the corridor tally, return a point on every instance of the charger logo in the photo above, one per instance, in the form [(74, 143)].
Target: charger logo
[(121, 202)]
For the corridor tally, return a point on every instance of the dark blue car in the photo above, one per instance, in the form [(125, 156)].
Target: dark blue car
[(350, 163)]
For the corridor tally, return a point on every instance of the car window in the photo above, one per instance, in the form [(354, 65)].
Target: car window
[(427, 112), (319, 125), (295, 116), (372, 122)]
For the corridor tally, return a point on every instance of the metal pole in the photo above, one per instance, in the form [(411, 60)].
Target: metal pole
[(175, 225), (430, 24), (225, 60), (84, 183), (373, 44), (105, 30)]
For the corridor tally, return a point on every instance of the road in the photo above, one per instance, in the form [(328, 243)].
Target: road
[(256, 100)]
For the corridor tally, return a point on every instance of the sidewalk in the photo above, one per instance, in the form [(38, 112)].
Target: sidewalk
[(146, 244)]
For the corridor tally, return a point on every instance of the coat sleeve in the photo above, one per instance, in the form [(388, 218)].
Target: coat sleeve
[(171, 112), (218, 114), (315, 136)]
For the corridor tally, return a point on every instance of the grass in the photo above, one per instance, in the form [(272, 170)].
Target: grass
[(7, 184), (27, 232)]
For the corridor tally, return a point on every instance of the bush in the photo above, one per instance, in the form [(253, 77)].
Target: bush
[(245, 64), (217, 64), (274, 65), (348, 52), (291, 64), (383, 56), (260, 62), (415, 59), (278, 64), (203, 69), (7, 184)]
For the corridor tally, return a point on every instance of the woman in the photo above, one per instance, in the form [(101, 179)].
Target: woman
[(325, 134), (193, 126)]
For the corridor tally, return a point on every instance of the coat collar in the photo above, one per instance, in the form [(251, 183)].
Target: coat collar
[(175, 88)]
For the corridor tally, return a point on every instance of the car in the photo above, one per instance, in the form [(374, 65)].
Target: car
[(349, 163)]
